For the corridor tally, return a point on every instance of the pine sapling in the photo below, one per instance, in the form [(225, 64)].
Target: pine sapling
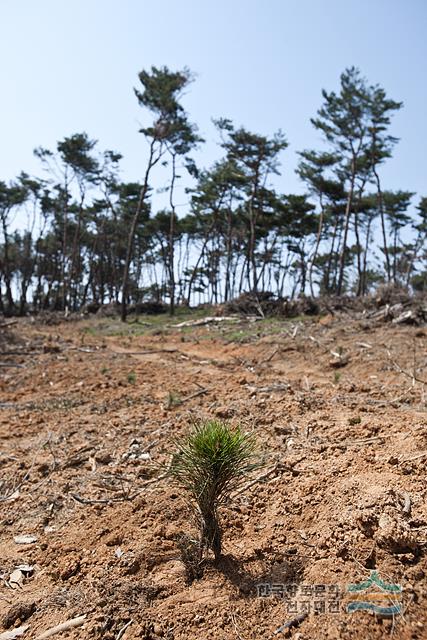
[(209, 464)]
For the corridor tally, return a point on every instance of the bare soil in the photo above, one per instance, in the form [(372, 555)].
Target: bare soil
[(87, 416)]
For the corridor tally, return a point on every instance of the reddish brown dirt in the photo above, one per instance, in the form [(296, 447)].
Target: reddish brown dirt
[(346, 448)]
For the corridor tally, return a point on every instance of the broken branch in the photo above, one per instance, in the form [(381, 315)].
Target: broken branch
[(64, 626)]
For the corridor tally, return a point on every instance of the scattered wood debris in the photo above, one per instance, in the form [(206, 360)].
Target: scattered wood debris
[(64, 626), (14, 633), (203, 321)]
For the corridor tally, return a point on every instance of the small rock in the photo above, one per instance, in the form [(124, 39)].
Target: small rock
[(51, 348), (224, 412), (25, 539), (395, 535), (340, 361), (133, 567), (70, 570), (19, 611), (282, 430), (103, 457), (114, 540), (16, 579)]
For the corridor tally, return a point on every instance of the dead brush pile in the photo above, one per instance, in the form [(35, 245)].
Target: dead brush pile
[(388, 304)]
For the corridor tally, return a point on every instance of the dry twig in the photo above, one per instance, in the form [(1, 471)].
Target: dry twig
[(416, 457), (412, 376), (194, 395), (123, 629), (295, 622), (64, 626)]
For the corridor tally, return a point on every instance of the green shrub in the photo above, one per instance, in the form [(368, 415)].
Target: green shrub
[(209, 464)]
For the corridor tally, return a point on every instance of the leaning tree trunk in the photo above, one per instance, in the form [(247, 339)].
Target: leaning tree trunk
[(131, 237), (316, 247), (382, 217), (7, 267), (365, 258), (358, 243), (346, 226), (172, 240)]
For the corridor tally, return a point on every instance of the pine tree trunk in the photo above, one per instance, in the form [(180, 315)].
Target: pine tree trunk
[(172, 241), (131, 237), (383, 229), (346, 226), (316, 248)]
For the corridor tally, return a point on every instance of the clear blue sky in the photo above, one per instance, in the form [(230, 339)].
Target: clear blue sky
[(70, 65)]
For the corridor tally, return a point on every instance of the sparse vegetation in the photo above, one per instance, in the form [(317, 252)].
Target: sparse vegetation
[(209, 464), (131, 378), (173, 400)]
